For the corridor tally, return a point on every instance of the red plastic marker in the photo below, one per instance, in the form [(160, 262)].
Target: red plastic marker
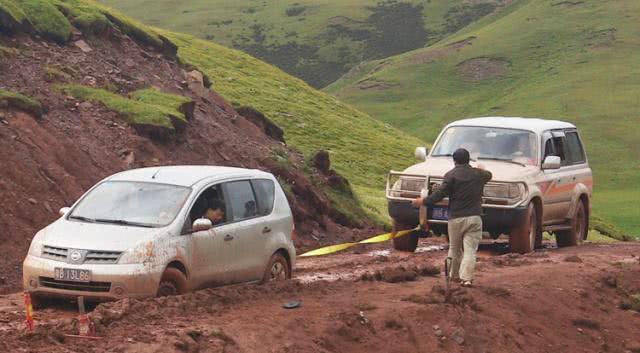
[(29, 311)]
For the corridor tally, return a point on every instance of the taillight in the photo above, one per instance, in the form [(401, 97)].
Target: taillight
[(294, 236)]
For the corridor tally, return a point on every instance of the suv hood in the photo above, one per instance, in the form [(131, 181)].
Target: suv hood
[(95, 236), (502, 171)]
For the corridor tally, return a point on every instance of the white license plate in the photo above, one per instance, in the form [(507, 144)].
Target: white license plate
[(72, 274)]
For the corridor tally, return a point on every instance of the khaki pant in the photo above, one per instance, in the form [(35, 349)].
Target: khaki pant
[(465, 234)]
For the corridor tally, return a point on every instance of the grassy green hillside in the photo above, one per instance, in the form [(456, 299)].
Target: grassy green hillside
[(572, 60), (316, 40), (362, 149)]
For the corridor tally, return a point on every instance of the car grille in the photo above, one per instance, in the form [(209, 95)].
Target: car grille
[(91, 257), (49, 282), (54, 253), (102, 257)]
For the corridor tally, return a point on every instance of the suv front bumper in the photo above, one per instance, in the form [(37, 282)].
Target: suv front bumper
[(108, 281), (494, 220)]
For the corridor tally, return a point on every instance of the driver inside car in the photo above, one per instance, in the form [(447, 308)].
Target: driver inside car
[(214, 211)]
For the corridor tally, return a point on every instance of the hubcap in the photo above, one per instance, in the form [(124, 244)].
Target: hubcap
[(278, 272)]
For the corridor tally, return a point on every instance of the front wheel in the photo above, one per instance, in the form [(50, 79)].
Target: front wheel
[(523, 237), (578, 231), (407, 242), (173, 282), (278, 269)]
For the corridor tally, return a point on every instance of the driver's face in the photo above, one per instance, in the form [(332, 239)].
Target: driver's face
[(214, 216)]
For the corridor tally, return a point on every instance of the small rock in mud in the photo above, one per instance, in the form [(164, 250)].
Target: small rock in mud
[(458, 336), (573, 258), (610, 281)]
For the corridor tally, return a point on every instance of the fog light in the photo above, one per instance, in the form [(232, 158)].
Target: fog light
[(118, 291), (33, 283)]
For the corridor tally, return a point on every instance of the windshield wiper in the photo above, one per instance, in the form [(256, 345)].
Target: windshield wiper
[(123, 222), (81, 218), (503, 160), (442, 155)]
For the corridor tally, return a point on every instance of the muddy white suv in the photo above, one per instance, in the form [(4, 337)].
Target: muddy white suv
[(150, 231), (541, 181)]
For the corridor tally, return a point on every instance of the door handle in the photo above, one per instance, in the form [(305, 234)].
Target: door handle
[(228, 237), (266, 230)]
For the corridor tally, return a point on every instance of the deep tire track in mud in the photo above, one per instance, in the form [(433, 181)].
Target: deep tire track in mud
[(558, 300)]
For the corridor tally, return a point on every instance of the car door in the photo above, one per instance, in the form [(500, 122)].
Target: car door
[(210, 250), (211, 255), (248, 243), (580, 171), (557, 187)]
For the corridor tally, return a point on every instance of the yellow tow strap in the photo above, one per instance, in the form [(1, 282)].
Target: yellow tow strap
[(339, 247)]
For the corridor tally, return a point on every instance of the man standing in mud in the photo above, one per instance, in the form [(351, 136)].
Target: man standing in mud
[(464, 186)]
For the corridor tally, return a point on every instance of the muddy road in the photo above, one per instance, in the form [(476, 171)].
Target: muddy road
[(374, 300)]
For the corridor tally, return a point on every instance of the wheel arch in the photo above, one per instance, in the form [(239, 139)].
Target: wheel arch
[(286, 255), (177, 264)]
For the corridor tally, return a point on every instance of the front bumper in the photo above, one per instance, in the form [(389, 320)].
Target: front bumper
[(494, 220), (108, 282)]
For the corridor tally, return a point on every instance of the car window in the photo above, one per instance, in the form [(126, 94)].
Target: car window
[(556, 146), (265, 194), (575, 150), (210, 204), (241, 199)]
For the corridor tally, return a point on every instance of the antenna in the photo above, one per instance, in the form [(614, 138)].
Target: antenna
[(156, 173)]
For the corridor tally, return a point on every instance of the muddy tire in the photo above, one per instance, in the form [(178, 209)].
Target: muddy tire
[(523, 237), (408, 242), (173, 282), (578, 231), (278, 269), (39, 303)]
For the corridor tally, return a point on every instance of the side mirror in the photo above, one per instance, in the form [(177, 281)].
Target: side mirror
[(421, 153), (201, 224), (63, 211), (551, 162)]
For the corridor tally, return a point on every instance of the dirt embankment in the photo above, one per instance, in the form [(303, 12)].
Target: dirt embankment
[(557, 300), (47, 162)]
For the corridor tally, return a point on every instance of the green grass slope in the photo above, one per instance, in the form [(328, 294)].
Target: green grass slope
[(572, 60), (316, 40), (362, 149)]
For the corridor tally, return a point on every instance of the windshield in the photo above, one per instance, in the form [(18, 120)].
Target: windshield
[(511, 145), (132, 203)]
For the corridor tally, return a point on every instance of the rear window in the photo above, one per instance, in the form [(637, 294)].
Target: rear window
[(265, 193), (240, 197)]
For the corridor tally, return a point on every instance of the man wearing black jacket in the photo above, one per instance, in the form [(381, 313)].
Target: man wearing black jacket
[(464, 186)]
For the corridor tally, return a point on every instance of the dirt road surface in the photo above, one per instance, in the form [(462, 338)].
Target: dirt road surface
[(374, 300)]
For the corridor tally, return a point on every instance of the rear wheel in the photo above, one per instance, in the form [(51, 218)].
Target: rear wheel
[(578, 231), (523, 237), (278, 269), (407, 242), (173, 282)]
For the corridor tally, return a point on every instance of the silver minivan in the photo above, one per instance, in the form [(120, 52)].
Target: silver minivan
[(165, 231)]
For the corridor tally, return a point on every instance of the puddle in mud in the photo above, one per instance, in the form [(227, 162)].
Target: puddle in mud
[(331, 277), (431, 248)]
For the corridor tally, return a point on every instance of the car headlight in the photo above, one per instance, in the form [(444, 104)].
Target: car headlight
[(504, 190), (137, 255), (35, 249)]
